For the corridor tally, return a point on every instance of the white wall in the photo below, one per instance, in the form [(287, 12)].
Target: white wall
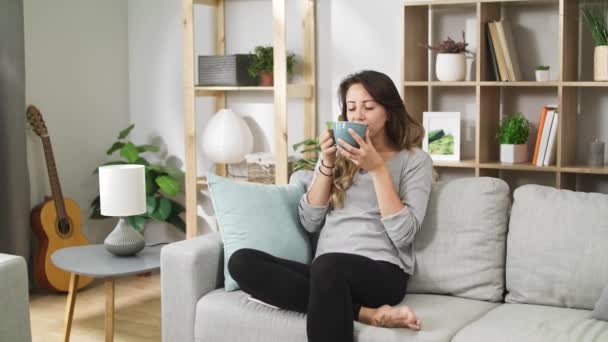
[(76, 74)]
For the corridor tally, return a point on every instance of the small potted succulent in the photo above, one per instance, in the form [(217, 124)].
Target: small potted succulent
[(261, 64), (513, 137), (595, 14), (542, 73), (451, 62)]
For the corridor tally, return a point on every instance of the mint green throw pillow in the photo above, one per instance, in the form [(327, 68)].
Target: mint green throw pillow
[(259, 216)]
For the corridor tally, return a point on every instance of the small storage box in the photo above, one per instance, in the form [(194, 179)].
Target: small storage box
[(230, 70)]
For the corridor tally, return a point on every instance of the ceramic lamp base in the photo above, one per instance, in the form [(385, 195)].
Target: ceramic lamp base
[(124, 240)]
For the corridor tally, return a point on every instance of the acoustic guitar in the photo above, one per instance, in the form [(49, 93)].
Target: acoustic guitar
[(56, 222)]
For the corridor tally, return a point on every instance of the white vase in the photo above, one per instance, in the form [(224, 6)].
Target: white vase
[(450, 66), (542, 75), (513, 154), (600, 63)]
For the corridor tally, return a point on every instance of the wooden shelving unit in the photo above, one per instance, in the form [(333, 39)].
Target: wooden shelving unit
[(419, 82), (281, 91)]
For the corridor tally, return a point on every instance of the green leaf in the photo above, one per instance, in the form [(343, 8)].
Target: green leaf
[(306, 143), (163, 211), (141, 161), (115, 147), (151, 186), (177, 208), (168, 185), (148, 148), (125, 132), (151, 204), (129, 152), (314, 149), (115, 162), (177, 222), (137, 222), (171, 171)]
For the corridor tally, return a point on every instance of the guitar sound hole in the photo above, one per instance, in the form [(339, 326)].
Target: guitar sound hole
[(64, 226)]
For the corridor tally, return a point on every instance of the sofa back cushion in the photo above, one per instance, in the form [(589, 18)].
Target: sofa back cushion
[(557, 247), (460, 249), (259, 216)]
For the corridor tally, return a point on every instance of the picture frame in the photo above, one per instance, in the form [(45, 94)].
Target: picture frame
[(442, 135)]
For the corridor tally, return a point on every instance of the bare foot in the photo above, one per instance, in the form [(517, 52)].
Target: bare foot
[(396, 317)]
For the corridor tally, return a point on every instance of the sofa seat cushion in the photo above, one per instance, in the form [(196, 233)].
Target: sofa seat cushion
[(538, 323), (230, 316)]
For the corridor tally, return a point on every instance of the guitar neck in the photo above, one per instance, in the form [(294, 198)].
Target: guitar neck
[(53, 177)]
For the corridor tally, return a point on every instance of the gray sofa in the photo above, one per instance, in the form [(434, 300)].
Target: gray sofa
[(486, 270), (14, 300)]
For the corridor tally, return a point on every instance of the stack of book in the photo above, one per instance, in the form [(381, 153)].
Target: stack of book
[(502, 53), (546, 147)]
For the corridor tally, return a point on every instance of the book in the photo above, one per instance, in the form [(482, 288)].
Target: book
[(539, 131), (545, 138), (498, 52), (261, 302), (491, 54), (551, 145), (513, 61)]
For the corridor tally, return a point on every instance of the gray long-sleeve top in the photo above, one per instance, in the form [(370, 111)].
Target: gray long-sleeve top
[(358, 227)]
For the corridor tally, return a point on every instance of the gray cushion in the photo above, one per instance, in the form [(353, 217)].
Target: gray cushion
[(601, 307), (230, 316), (460, 249), (526, 323), (556, 248)]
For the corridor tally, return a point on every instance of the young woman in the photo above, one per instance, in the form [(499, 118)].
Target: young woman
[(368, 204)]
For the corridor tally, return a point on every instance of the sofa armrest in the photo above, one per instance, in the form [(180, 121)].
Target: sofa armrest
[(189, 270), (14, 299)]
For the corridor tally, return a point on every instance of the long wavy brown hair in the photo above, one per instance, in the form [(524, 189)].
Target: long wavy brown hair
[(403, 131)]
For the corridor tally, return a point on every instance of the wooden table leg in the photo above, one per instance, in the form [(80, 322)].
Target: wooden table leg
[(69, 309), (109, 284)]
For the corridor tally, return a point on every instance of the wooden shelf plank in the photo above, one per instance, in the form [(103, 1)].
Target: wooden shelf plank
[(598, 170), (585, 84), (293, 90), (456, 164), (439, 84), (520, 167), (520, 84)]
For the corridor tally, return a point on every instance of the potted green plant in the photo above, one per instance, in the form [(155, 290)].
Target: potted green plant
[(310, 150), (261, 64), (513, 135), (595, 14), (542, 73), (450, 64), (163, 184)]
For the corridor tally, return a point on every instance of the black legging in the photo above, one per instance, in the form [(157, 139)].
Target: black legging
[(330, 291)]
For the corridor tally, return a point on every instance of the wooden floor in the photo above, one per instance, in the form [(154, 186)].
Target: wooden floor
[(137, 312)]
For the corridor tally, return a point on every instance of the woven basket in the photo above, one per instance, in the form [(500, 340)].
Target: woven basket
[(261, 168)]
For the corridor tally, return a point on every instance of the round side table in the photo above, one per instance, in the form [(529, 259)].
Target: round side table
[(94, 261)]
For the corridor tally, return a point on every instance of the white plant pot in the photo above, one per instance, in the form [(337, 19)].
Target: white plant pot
[(450, 66), (513, 153), (600, 63), (542, 75)]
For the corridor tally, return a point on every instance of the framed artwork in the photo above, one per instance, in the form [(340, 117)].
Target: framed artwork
[(442, 135)]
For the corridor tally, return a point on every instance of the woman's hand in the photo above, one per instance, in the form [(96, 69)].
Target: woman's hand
[(328, 148), (366, 156)]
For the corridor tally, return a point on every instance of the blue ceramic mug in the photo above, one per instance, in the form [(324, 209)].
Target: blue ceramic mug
[(340, 129)]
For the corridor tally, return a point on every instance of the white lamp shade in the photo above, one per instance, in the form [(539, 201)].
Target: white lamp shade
[(122, 190), (227, 138)]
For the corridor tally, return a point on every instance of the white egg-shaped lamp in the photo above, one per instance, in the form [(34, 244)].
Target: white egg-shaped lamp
[(226, 138)]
